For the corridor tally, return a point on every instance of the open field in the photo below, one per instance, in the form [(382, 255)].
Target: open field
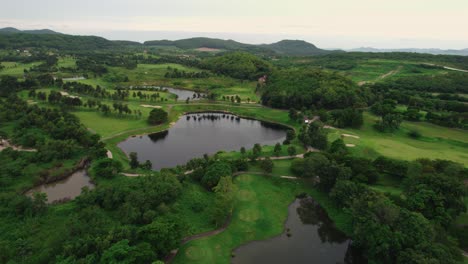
[(377, 70), (153, 74), (259, 213), (16, 68), (67, 62), (436, 142)]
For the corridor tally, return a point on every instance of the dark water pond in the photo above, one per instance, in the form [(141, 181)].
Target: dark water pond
[(196, 134), (313, 239), (68, 188), (183, 94)]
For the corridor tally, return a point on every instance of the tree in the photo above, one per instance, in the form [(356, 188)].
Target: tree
[(349, 117), (163, 235), (338, 147), (290, 134), (257, 148), (214, 172), (120, 252), (134, 160), (107, 168), (267, 165), (147, 165), (291, 150), (277, 149), (389, 123), (157, 116), (318, 165), (225, 192), (293, 114), (437, 196), (242, 151), (314, 135), (39, 203)]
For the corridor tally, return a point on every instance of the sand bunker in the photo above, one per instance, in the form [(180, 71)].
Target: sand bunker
[(348, 135)]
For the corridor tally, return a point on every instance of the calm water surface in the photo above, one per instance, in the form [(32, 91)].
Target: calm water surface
[(66, 188), (196, 134), (313, 239), (183, 94)]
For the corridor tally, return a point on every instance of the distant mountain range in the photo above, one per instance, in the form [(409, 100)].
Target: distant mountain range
[(37, 31), (284, 47), (53, 39), (462, 52)]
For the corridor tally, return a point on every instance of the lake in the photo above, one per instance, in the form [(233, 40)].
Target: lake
[(68, 188), (312, 238), (183, 94), (204, 133)]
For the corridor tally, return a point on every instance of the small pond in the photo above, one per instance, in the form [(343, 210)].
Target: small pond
[(183, 94), (310, 237), (205, 133), (68, 188)]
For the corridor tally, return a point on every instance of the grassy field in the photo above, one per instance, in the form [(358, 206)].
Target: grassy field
[(259, 213), (153, 74), (436, 142), (16, 68), (67, 62), (377, 69)]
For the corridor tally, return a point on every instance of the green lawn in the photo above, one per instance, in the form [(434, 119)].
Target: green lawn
[(153, 74), (376, 69), (16, 68), (436, 142), (259, 213), (67, 62)]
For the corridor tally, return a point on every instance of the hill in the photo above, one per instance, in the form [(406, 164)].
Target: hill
[(284, 47), (35, 31), (296, 48), (195, 43), (54, 41)]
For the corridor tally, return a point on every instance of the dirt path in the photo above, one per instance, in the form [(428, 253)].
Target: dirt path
[(299, 156), (390, 73), (383, 76), (4, 144), (184, 241)]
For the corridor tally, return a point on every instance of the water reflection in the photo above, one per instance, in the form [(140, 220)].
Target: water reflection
[(310, 237), (203, 133), (184, 94), (65, 189)]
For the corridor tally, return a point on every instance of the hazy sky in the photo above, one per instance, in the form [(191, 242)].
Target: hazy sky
[(326, 23)]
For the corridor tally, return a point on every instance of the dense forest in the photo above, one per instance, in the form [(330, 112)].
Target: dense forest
[(298, 88), (238, 65)]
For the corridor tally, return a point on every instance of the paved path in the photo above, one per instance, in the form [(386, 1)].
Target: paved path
[(447, 68), (299, 156)]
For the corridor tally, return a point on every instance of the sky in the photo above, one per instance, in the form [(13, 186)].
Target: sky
[(328, 24)]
